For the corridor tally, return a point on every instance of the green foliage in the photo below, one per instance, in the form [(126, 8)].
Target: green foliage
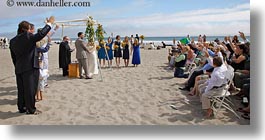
[(90, 33), (100, 33)]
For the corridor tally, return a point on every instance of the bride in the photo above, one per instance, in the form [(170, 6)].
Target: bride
[(92, 59)]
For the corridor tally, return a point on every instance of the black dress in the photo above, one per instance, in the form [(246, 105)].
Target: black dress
[(239, 66), (126, 53), (117, 52)]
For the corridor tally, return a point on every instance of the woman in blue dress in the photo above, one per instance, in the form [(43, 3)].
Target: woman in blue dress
[(136, 60), (117, 51), (110, 53), (126, 51), (101, 54)]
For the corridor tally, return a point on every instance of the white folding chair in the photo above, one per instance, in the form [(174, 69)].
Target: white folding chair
[(222, 100)]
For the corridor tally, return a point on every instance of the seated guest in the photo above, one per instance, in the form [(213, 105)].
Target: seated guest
[(217, 80), (199, 81), (190, 54), (164, 44), (235, 39), (206, 68), (240, 75), (171, 58), (240, 57), (180, 61), (245, 91)]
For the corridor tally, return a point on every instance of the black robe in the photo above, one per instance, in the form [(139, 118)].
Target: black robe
[(64, 55)]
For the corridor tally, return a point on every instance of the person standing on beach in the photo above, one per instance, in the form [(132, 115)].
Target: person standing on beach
[(92, 59), (137, 37), (22, 49), (4, 42), (81, 55), (110, 51), (102, 54), (132, 40), (126, 51), (65, 55), (136, 60), (117, 51), (43, 49)]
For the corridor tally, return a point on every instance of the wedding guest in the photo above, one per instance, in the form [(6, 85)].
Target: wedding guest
[(137, 37), (136, 59), (22, 49), (126, 51), (200, 40), (190, 54), (180, 61), (46, 55), (131, 40), (235, 39), (117, 51), (65, 55), (110, 51), (240, 57), (102, 54), (204, 38), (217, 80), (42, 47)]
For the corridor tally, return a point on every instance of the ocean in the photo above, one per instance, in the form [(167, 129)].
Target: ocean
[(169, 40)]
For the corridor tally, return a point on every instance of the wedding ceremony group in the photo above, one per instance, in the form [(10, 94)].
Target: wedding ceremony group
[(127, 68)]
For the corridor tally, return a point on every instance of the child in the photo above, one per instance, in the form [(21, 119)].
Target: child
[(43, 75)]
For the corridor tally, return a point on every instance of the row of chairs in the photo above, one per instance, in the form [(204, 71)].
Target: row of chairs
[(223, 99)]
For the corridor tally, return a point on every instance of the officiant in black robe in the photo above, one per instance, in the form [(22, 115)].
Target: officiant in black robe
[(65, 55)]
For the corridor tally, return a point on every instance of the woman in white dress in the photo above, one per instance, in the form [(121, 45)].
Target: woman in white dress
[(92, 59)]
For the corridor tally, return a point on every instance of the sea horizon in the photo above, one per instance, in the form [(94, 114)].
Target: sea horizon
[(168, 39)]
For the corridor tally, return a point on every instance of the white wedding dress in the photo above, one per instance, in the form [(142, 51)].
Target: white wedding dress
[(92, 62)]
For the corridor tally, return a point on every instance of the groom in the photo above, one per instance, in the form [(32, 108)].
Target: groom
[(81, 55)]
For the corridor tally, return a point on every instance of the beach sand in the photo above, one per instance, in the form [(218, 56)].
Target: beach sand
[(128, 96)]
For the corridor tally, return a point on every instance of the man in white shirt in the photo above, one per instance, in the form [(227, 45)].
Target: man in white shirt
[(217, 80)]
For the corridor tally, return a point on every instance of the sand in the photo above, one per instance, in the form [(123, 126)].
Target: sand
[(127, 96)]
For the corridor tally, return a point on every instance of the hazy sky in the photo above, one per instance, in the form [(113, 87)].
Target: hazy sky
[(147, 17)]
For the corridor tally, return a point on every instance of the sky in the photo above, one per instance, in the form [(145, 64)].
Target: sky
[(146, 17)]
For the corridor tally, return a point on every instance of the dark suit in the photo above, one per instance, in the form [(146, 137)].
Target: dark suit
[(22, 49), (64, 57)]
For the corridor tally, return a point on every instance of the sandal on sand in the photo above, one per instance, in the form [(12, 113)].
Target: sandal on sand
[(242, 110), (37, 112), (246, 116)]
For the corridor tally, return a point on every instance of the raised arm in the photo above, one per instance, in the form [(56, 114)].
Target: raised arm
[(40, 35), (231, 43), (239, 59)]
